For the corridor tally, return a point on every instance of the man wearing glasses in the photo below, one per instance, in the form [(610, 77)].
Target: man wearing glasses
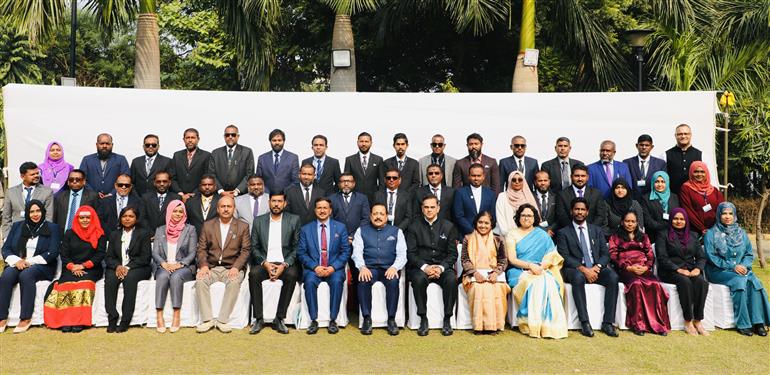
[(69, 199), (437, 156), (109, 207), (144, 168), (518, 162), (436, 187), (231, 165)]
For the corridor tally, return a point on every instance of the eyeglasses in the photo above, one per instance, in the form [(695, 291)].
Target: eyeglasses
[(150, 145), (519, 146), (231, 135), (75, 179), (436, 144), (344, 181), (517, 180), (120, 185), (434, 173), (391, 178)]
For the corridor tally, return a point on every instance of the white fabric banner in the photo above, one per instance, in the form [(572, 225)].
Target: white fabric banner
[(36, 114)]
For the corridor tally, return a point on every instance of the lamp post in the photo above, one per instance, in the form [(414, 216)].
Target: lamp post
[(73, 30), (637, 39)]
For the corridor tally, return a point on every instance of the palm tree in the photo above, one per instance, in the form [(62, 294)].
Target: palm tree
[(525, 77)]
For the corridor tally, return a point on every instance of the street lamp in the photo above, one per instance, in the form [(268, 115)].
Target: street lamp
[(637, 39)]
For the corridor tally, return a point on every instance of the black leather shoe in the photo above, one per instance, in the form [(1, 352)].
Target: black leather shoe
[(257, 326), (664, 334), (366, 326), (332, 328), (759, 329), (745, 332), (313, 328), (609, 330), (447, 329), (123, 327), (586, 330), (76, 329), (280, 327), (392, 327), (423, 330), (637, 332), (112, 328), (66, 329)]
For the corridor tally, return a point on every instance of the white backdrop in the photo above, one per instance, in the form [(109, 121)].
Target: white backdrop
[(35, 115)]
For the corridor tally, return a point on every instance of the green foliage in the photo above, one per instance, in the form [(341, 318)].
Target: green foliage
[(36, 18), (751, 139), (17, 58), (351, 7)]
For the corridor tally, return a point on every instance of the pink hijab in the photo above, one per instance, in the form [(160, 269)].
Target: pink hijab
[(517, 198), (174, 229)]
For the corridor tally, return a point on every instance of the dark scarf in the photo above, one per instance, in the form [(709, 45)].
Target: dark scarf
[(620, 206), (30, 229), (680, 235)]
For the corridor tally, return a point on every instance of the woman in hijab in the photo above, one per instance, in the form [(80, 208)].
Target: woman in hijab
[(30, 252), (699, 198), (657, 207), (174, 252), (54, 169), (680, 262), (730, 259), (508, 202), (70, 298), (621, 202)]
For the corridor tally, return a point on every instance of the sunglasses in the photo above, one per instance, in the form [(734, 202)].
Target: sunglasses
[(519, 146), (123, 185), (436, 144), (150, 145), (75, 179), (517, 180), (434, 173), (231, 135), (391, 178)]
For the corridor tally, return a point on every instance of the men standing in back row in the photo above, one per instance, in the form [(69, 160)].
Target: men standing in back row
[(679, 157), (327, 168), (560, 168), (278, 167), (144, 168), (602, 173), (407, 167), (643, 166), (437, 156), (474, 142), (518, 162), (367, 168), (231, 164), (189, 165), (102, 168)]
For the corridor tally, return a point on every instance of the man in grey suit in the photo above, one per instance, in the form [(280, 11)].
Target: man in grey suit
[(560, 168), (18, 196), (518, 162), (274, 259), (408, 167), (253, 204), (278, 167), (327, 168), (367, 168), (231, 164), (437, 156)]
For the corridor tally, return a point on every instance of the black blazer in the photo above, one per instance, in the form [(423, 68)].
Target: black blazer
[(107, 210), (296, 205), (371, 181), (330, 175), (403, 206), (553, 167), (143, 182), (568, 246), (152, 215), (195, 211), (431, 245), (597, 210), (550, 211), (260, 235), (447, 199), (672, 256), (236, 176), (410, 174), (186, 179), (139, 250), (653, 215), (61, 204)]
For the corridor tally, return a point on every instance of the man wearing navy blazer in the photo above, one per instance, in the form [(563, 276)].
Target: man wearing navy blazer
[(300, 198), (103, 167), (189, 165), (143, 176), (560, 168), (408, 168), (518, 162), (367, 168), (108, 208), (602, 174), (586, 258), (472, 199), (435, 187), (72, 197), (278, 167), (231, 164), (327, 168), (348, 206), (643, 166), (323, 250)]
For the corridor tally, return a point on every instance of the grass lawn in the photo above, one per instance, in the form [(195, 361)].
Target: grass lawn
[(142, 350)]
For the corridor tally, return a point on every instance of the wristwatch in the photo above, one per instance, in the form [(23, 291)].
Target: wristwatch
[(599, 265)]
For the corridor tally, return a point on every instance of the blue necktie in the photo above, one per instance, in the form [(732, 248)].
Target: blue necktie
[(275, 164), (318, 170), (584, 248), (29, 195), (73, 208)]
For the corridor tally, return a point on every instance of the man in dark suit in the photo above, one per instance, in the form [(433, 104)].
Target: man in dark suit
[(435, 186), (323, 250), (407, 167), (560, 168), (546, 202), (274, 260), (431, 255), (278, 167), (602, 173), (202, 207), (300, 198), (518, 162), (109, 207), (679, 157), (189, 165), (598, 214), (102, 168), (67, 201), (348, 206), (471, 199), (156, 201), (367, 168), (460, 174), (643, 166), (399, 202), (327, 168), (231, 164), (144, 168), (586, 259)]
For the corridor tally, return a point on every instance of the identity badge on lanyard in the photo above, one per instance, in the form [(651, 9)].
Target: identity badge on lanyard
[(707, 207)]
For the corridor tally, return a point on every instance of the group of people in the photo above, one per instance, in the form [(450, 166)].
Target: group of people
[(219, 216)]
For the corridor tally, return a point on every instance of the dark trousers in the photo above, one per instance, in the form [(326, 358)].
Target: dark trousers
[(111, 284), (257, 275), (336, 283), (607, 278), (391, 292), (26, 280), (448, 283), (692, 293)]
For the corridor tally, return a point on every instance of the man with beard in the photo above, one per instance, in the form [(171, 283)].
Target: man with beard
[(253, 204), (367, 168), (189, 165), (407, 167), (202, 207), (144, 168), (18, 196), (597, 215), (67, 201), (231, 164), (474, 142), (327, 168), (602, 173), (102, 168), (546, 202), (110, 207), (560, 168), (348, 206), (156, 202), (278, 167), (301, 197)]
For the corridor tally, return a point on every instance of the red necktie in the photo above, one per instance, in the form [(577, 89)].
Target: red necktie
[(324, 247)]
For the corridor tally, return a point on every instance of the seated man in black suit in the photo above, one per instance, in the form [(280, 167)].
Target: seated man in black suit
[(435, 186), (586, 256), (398, 201), (109, 207)]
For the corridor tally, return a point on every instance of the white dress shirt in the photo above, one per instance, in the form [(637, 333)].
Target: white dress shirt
[(171, 252), (476, 193), (274, 248), (125, 241)]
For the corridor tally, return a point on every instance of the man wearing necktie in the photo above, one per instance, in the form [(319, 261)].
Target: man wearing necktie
[(327, 168), (231, 164), (109, 207), (253, 204), (445, 194), (643, 166), (398, 201), (143, 168), (584, 249), (18, 196), (156, 201), (518, 162), (603, 172), (278, 167), (302, 197), (68, 200), (408, 168), (546, 202), (579, 189)]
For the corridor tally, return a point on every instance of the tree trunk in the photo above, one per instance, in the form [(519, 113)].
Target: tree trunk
[(525, 77), (762, 204), (147, 66), (343, 79)]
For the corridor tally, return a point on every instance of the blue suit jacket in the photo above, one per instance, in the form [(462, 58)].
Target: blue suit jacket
[(508, 165), (655, 165), (309, 250), (286, 175), (116, 164), (357, 213), (47, 246), (598, 180), (464, 207)]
